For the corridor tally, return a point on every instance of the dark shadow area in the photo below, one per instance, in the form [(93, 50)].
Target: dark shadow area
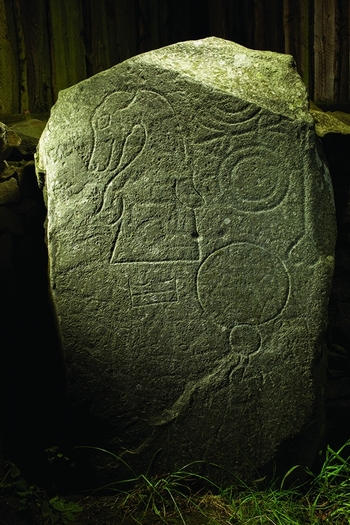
[(336, 148), (32, 373), (35, 413)]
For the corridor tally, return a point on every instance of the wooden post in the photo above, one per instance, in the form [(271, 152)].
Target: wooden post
[(67, 44), (9, 81), (32, 18), (126, 29), (343, 19), (268, 25), (324, 51), (297, 17)]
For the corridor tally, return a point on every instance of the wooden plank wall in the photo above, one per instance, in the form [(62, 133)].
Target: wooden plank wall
[(48, 45), (9, 67)]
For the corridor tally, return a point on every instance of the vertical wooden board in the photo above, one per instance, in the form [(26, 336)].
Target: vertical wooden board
[(68, 50), (153, 41), (188, 20), (243, 23), (126, 29), (305, 43), (344, 28), (268, 34), (259, 22), (296, 34), (231, 14), (290, 13), (274, 21), (324, 46), (179, 20), (38, 59), (111, 42), (9, 83), (152, 24), (199, 19), (141, 25), (148, 25), (337, 52), (99, 37), (22, 58), (218, 18), (86, 14), (164, 34)]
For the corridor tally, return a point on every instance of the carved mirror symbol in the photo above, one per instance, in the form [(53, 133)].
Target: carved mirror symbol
[(240, 287), (245, 339)]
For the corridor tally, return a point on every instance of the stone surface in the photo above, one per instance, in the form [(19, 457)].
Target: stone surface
[(29, 131), (8, 140), (191, 234), (31, 127), (330, 121), (19, 136)]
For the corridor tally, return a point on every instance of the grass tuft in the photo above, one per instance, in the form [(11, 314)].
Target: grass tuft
[(328, 498), (323, 499)]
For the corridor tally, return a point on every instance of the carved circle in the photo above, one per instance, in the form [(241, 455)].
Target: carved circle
[(257, 179), (242, 283), (245, 339)]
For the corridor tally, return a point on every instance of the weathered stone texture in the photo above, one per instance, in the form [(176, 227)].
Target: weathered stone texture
[(191, 234)]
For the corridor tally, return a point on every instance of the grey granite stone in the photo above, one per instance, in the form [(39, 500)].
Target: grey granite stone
[(191, 234), (8, 140)]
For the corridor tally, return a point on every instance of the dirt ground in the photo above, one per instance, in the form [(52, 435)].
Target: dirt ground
[(97, 510)]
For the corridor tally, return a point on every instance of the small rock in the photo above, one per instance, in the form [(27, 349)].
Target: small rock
[(9, 191), (8, 140)]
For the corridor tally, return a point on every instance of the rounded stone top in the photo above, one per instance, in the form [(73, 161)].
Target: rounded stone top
[(265, 78)]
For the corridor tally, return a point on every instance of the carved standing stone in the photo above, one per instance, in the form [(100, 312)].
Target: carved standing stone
[(191, 233)]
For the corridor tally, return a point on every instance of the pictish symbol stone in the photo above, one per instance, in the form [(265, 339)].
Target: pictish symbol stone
[(191, 233)]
